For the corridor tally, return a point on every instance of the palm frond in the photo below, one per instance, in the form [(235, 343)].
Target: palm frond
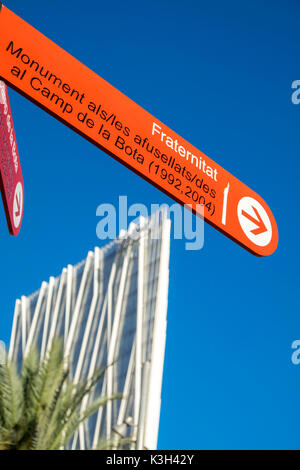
[(43, 408), (11, 396)]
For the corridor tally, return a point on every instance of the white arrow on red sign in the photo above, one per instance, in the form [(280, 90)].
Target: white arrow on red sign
[(254, 221), (261, 228)]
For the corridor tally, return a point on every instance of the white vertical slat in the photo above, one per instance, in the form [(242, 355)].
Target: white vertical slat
[(90, 317), (139, 332), (47, 315), (158, 346), (68, 301), (86, 337), (36, 316), (62, 283), (17, 314), (78, 304), (113, 340)]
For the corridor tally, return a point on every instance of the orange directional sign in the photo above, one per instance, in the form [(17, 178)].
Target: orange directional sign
[(64, 87)]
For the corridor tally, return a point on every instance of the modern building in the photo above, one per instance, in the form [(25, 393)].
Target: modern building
[(111, 310)]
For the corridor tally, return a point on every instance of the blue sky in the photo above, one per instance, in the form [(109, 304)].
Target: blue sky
[(218, 73)]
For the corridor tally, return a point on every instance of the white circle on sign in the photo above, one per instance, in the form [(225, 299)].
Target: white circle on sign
[(254, 221), (18, 205)]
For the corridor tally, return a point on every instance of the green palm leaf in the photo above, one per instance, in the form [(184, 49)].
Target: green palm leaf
[(42, 408)]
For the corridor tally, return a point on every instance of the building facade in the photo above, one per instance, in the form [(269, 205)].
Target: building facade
[(111, 311)]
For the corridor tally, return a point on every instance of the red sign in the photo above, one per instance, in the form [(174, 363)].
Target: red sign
[(61, 85), (11, 180)]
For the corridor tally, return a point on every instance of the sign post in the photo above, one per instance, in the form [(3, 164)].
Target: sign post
[(11, 179), (61, 85)]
